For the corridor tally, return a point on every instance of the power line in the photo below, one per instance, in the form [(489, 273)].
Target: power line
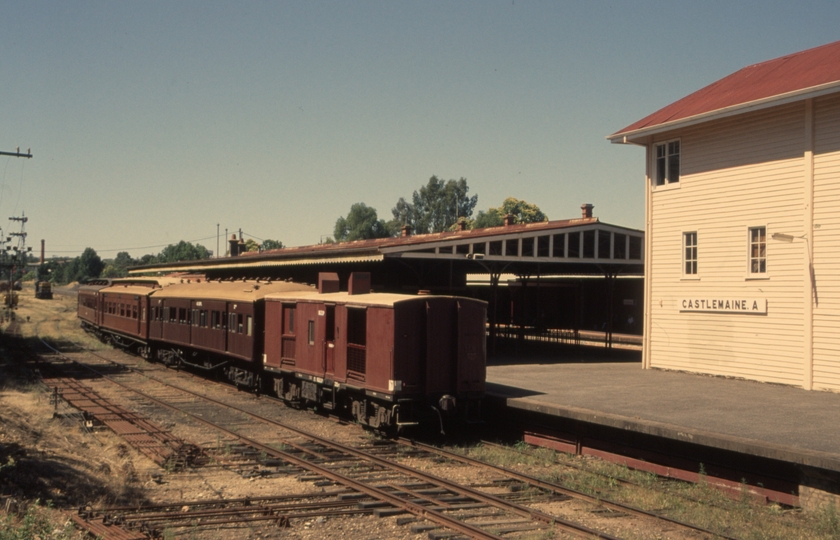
[(109, 250)]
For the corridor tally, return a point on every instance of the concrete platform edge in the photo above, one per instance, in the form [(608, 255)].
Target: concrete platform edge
[(741, 445)]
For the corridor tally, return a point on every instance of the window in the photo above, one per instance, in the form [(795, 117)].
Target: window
[(574, 245), (619, 246), (588, 244), (312, 332), (758, 250), (250, 326), (560, 245), (690, 253), (512, 247), (543, 243), (667, 162), (288, 319)]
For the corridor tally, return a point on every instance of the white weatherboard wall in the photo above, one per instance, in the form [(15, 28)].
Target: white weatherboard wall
[(736, 173), (826, 372)]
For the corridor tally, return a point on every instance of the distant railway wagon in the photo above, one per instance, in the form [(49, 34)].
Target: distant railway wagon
[(387, 360)]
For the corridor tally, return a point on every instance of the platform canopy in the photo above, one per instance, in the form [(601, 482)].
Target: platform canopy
[(583, 246)]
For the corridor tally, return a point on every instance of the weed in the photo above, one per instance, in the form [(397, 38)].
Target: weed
[(35, 524), (827, 521)]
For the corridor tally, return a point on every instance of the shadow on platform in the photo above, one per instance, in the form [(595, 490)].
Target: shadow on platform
[(513, 353)]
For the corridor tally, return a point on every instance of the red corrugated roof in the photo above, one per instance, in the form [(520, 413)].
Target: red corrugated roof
[(791, 73), (414, 239)]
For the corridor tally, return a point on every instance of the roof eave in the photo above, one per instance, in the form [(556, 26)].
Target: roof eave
[(639, 136)]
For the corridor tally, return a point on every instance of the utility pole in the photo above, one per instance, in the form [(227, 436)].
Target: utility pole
[(11, 256), (14, 256)]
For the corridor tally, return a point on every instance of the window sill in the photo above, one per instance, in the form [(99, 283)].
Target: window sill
[(757, 277), (690, 278), (666, 187)]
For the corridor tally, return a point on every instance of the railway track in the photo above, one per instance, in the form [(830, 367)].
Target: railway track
[(373, 478)]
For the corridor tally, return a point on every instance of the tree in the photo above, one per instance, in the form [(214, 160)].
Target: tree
[(90, 264), (361, 223), (522, 211), (123, 260), (183, 251), (251, 245), (435, 207), (271, 244)]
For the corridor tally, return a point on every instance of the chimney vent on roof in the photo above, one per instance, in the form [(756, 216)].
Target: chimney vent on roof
[(586, 210), (510, 219), (405, 230), (234, 245), (327, 282), (462, 224), (359, 283)]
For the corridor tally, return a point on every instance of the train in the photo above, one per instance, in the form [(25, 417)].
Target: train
[(388, 361)]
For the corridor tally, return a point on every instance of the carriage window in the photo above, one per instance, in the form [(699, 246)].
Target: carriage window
[(166, 314), (239, 326), (250, 325), (356, 340), (288, 319), (216, 319), (122, 310), (143, 316), (312, 332), (357, 326), (232, 322), (202, 318), (133, 312), (330, 322)]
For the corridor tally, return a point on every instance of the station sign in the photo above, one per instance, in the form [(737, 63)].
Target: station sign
[(724, 305)]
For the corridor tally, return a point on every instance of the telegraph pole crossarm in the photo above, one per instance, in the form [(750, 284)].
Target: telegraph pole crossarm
[(17, 153)]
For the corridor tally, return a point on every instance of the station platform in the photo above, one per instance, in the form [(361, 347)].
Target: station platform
[(781, 425)]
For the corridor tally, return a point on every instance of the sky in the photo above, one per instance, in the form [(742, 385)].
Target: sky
[(154, 122)]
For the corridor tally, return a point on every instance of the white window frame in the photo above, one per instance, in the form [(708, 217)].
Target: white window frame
[(686, 258), (667, 177), (761, 272)]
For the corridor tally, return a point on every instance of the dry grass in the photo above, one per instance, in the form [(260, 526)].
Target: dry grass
[(47, 463), (699, 504)]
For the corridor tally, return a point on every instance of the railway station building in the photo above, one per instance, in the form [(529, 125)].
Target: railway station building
[(742, 254)]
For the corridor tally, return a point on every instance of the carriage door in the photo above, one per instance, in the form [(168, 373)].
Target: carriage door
[(329, 340)]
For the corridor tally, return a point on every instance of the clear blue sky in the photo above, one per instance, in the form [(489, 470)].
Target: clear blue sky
[(151, 122)]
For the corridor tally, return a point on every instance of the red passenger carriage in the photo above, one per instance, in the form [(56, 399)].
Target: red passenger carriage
[(386, 359)]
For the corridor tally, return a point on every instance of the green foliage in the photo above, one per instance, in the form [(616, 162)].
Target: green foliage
[(361, 223), (522, 211), (251, 245), (436, 207), (271, 244), (87, 265), (182, 251), (90, 264), (34, 525)]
